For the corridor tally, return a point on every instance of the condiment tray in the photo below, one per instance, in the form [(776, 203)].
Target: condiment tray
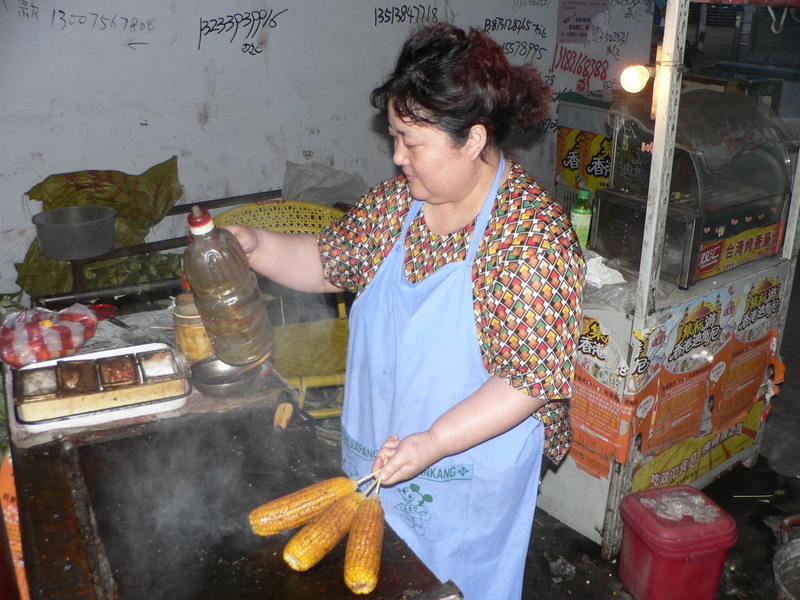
[(117, 383)]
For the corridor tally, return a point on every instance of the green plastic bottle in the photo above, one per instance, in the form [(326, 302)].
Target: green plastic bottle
[(581, 216)]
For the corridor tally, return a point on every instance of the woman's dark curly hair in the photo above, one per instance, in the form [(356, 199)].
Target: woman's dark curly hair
[(455, 79)]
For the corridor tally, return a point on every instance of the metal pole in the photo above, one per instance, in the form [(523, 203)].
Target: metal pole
[(666, 99), (161, 285)]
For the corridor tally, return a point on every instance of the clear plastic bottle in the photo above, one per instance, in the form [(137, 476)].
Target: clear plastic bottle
[(226, 292), (581, 216)]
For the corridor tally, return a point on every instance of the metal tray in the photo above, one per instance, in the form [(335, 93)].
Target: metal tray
[(148, 375)]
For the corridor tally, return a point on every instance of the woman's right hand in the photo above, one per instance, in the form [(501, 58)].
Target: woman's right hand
[(386, 452), (289, 259), (248, 238), (400, 460)]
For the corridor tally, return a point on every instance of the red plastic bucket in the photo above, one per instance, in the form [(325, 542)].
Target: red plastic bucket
[(668, 559)]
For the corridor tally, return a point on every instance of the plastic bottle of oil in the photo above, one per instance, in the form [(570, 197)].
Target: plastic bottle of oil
[(226, 292)]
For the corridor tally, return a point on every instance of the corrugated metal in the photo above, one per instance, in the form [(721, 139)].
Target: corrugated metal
[(754, 2), (717, 15)]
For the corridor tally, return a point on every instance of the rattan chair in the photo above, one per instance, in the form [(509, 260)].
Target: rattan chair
[(309, 354)]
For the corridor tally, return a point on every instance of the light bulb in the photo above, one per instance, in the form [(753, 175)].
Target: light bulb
[(634, 78)]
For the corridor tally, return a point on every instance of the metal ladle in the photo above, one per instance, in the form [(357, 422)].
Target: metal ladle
[(214, 377)]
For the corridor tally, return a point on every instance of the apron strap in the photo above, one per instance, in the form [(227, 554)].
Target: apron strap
[(483, 218)]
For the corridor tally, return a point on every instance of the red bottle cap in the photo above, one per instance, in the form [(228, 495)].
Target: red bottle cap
[(200, 221)]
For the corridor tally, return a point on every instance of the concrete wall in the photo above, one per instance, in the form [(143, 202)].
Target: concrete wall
[(125, 84)]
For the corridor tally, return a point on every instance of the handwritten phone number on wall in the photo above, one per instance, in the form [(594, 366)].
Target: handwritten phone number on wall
[(250, 23), (497, 24), (523, 49), (579, 64), (544, 126), (406, 13), (612, 37), (100, 22)]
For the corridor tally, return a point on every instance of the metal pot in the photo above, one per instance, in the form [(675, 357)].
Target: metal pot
[(786, 563), (75, 232), (215, 378)]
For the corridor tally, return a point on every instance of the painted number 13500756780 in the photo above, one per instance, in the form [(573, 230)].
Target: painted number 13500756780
[(100, 21)]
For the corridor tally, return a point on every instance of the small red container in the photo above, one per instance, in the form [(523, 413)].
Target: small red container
[(664, 559)]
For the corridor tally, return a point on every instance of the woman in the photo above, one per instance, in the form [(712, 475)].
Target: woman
[(468, 282)]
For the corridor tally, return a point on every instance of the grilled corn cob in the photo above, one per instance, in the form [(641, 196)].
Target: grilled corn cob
[(298, 508), (362, 561), (320, 536)]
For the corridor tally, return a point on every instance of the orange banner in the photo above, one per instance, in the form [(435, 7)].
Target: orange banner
[(8, 500), (682, 406)]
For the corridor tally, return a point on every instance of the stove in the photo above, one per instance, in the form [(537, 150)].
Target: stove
[(158, 509)]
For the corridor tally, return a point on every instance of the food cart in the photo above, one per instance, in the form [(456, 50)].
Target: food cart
[(677, 366)]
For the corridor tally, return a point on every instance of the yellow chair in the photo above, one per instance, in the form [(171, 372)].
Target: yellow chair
[(310, 354)]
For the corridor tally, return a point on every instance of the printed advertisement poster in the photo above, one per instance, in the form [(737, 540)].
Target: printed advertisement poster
[(595, 166), (727, 253), (693, 393), (575, 19), (699, 379), (694, 357), (692, 458), (592, 462), (568, 155), (598, 415), (583, 159)]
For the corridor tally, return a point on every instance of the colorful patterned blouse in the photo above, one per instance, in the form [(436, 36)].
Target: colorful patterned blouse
[(528, 281)]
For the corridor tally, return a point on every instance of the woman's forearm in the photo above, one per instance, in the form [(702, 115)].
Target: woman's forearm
[(493, 409), (289, 259)]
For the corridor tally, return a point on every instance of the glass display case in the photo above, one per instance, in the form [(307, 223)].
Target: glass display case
[(729, 192)]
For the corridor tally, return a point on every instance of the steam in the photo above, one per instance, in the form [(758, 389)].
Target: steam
[(170, 504)]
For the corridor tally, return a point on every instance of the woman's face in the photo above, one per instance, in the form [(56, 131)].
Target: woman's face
[(436, 171)]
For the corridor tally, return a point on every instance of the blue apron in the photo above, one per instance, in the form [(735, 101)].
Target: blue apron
[(413, 354)]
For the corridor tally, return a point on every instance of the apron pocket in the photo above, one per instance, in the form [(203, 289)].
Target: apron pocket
[(433, 506)]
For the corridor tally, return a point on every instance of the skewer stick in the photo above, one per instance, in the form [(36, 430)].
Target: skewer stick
[(374, 486), (368, 477)]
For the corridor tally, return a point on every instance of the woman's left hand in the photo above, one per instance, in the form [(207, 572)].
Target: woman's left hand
[(400, 460)]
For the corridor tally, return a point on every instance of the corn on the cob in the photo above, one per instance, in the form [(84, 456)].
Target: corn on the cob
[(362, 561), (320, 536), (298, 508)]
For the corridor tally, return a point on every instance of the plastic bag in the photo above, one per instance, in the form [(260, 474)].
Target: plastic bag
[(141, 201), (320, 184), (37, 334), (678, 504)]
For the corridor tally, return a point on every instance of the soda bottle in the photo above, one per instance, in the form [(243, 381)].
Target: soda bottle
[(226, 292), (581, 216)]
